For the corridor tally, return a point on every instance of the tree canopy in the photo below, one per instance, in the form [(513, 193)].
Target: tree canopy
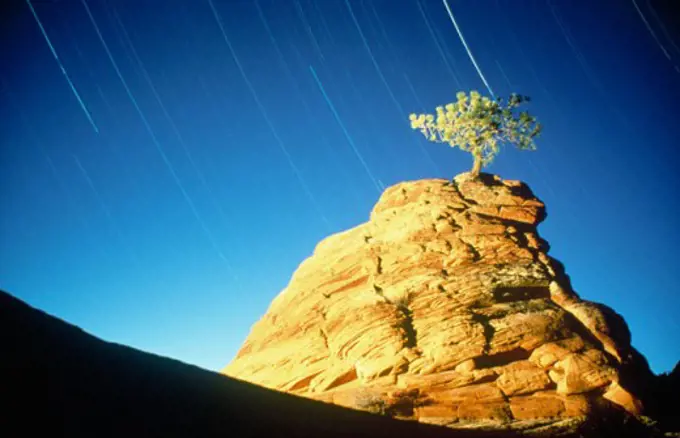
[(478, 125)]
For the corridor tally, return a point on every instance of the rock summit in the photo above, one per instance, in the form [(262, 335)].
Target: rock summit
[(445, 308)]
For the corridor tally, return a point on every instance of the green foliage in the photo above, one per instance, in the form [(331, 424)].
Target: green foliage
[(478, 125)]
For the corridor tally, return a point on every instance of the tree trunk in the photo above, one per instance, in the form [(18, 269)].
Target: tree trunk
[(477, 166)]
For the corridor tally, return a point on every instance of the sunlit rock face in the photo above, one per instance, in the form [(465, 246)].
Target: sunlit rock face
[(445, 308)]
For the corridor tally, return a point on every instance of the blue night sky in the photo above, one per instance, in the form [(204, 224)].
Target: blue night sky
[(163, 190)]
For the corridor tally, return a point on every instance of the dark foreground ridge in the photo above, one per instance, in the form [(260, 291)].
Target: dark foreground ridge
[(59, 379), (56, 378)]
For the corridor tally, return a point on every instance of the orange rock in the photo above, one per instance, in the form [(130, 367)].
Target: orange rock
[(532, 407), (547, 354), (437, 414), (620, 396), (575, 405), (469, 394), (487, 410), (578, 373), (446, 292), (523, 381)]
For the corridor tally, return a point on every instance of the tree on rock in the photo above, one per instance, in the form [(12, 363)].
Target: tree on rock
[(478, 125)]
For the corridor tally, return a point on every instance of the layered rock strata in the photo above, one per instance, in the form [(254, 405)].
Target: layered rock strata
[(444, 308)]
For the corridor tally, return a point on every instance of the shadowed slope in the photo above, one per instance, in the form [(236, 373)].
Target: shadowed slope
[(57, 378)]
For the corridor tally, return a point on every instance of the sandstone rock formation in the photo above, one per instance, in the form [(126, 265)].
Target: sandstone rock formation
[(445, 308)]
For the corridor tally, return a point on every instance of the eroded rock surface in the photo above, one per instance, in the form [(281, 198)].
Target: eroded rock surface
[(444, 308)]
